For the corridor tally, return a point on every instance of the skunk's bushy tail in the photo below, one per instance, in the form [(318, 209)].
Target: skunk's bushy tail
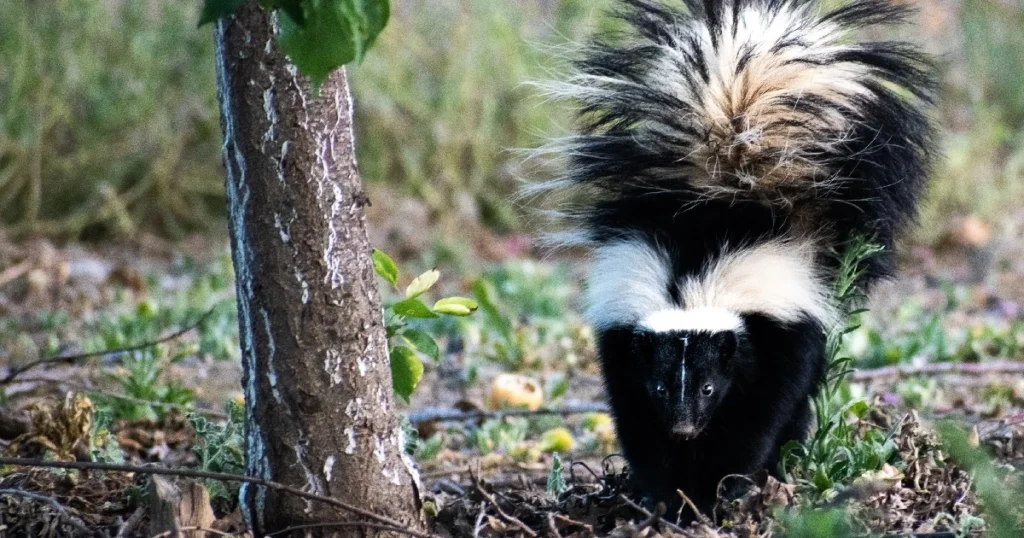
[(764, 101)]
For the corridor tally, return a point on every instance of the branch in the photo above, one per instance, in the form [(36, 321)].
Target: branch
[(644, 511), (67, 359), (130, 399), (188, 473), (191, 529), (342, 524), (939, 368), (511, 519), (452, 415)]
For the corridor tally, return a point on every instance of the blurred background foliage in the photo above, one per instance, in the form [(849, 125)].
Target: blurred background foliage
[(109, 121)]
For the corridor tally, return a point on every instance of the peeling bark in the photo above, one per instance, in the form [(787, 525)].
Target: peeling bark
[(317, 382)]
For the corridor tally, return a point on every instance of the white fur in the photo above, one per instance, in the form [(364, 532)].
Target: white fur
[(777, 278), (628, 280), (693, 320), (628, 286)]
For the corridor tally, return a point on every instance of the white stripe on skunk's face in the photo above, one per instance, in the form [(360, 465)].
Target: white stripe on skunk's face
[(702, 319), (630, 281)]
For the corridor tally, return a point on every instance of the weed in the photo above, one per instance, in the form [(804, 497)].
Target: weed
[(220, 449), (142, 378), (526, 320), (815, 523), (556, 480), (103, 446), (500, 434), (841, 448)]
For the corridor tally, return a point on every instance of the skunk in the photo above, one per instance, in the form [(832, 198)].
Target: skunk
[(725, 150)]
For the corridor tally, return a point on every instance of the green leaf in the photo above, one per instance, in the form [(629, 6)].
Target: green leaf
[(455, 306), (334, 33), (422, 342), (385, 267), (822, 481), (422, 283), (484, 292), (556, 481), (213, 10), (413, 308), (406, 371)]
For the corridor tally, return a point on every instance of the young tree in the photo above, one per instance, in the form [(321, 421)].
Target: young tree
[(320, 412)]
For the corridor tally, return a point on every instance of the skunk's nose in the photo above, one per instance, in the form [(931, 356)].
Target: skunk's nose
[(685, 431)]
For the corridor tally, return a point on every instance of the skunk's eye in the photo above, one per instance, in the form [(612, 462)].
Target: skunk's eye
[(707, 389), (660, 389)]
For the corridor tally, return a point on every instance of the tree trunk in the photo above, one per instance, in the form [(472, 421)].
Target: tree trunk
[(320, 412)]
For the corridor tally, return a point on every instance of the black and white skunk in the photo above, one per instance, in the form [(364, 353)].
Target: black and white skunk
[(725, 150)]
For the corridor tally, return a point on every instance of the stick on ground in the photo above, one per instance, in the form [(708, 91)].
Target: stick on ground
[(84, 465)]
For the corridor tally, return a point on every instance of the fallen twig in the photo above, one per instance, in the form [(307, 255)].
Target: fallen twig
[(480, 520), (66, 359), (511, 519), (15, 271), (338, 524), (646, 513), (168, 534), (570, 521), (452, 415), (188, 473), (116, 396), (652, 521), (703, 518), (132, 523), (76, 522), (552, 528), (938, 368)]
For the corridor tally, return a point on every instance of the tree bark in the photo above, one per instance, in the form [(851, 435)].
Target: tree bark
[(320, 412)]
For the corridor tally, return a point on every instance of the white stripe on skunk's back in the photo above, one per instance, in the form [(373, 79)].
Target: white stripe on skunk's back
[(629, 286)]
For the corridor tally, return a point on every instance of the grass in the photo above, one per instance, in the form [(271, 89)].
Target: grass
[(441, 99), (109, 123)]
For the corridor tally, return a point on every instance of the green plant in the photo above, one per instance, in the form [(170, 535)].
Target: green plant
[(103, 446), (404, 341), (142, 378), (841, 448), (526, 318), (814, 523), (220, 449), (556, 484), (500, 434)]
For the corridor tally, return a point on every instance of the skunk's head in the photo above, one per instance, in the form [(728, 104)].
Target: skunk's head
[(688, 371)]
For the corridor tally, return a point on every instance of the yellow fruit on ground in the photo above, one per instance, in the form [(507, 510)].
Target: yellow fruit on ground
[(514, 391), (557, 440)]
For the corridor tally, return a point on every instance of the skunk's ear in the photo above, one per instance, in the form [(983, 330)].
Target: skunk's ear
[(727, 344)]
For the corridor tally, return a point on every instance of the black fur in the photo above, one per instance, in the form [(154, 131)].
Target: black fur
[(650, 163), (763, 388), (636, 143)]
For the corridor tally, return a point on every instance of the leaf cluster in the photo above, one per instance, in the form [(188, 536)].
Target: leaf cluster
[(405, 341), (319, 36)]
